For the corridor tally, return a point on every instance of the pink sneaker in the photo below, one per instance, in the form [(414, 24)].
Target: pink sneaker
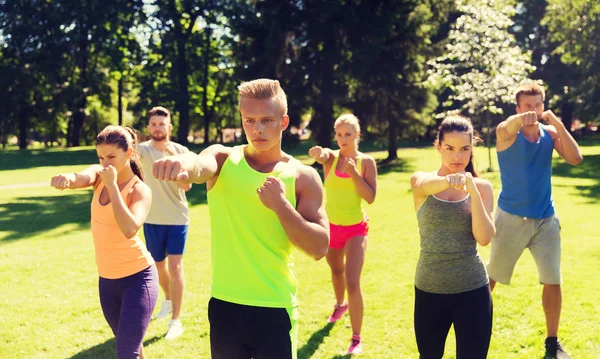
[(338, 311), (355, 346)]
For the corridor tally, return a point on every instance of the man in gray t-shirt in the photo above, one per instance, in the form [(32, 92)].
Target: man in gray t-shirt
[(167, 224)]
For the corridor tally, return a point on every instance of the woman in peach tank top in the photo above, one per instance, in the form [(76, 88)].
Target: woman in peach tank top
[(128, 282)]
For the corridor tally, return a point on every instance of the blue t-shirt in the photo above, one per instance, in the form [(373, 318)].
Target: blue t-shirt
[(525, 172)]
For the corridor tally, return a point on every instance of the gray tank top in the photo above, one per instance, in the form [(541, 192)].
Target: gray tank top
[(448, 262)]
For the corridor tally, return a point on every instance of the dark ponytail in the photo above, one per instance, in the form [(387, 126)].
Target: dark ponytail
[(124, 138), (136, 166), (460, 124)]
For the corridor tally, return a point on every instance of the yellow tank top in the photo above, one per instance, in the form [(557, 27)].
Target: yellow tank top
[(251, 253), (342, 201)]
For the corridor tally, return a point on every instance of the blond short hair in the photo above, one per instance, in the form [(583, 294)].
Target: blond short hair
[(264, 89), (530, 89), (348, 119)]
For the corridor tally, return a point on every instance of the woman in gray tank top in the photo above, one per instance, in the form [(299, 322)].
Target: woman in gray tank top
[(454, 209)]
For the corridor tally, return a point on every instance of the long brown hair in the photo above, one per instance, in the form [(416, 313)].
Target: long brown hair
[(460, 124), (124, 138)]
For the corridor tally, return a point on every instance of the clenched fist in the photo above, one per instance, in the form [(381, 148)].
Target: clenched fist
[(551, 118), (457, 181), (471, 186), (169, 169), (61, 181), (349, 166), (318, 154), (108, 175), (272, 193), (528, 118)]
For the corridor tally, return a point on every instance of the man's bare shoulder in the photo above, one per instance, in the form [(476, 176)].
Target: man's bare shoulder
[(217, 150), (305, 175)]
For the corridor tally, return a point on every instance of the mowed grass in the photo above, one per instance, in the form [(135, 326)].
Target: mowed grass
[(49, 307)]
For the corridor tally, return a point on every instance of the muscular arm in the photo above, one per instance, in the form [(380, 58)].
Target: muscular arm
[(130, 219), (306, 225), (507, 130), (189, 167), (565, 144), (367, 186)]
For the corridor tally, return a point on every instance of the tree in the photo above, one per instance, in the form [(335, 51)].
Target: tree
[(482, 64), (532, 34), (575, 26)]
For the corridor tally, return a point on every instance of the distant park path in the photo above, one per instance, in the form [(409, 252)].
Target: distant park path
[(24, 185)]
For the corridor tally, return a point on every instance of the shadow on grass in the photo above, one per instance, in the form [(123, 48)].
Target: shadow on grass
[(26, 217), (387, 166), (16, 160), (587, 169), (313, 343), (107, 350)]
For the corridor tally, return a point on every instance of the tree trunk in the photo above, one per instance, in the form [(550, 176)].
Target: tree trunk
[(488, 139), (566, 110), (324, 107), (120, 96), (392, 129), (183, 96), (207, 60), (81, 103), (23, 128)]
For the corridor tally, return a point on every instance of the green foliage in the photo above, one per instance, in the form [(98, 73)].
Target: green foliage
[(575, 27), (482, 64)]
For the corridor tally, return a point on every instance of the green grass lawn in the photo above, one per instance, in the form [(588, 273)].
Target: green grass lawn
[(50, 307)]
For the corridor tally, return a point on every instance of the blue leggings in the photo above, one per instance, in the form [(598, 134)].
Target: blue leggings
[(127, 304), (471, 314)]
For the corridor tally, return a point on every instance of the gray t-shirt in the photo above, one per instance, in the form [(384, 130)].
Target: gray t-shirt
[(448, 262), (169, 203)]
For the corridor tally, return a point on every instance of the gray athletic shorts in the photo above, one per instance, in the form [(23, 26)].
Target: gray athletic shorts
[(513, 235)]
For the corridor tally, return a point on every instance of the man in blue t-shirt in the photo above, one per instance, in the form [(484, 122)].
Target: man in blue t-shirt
[(525, 217)]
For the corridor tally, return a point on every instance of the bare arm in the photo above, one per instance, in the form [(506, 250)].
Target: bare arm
[(482, 205), (367, 186), (83, 179), (190, 167), (508, 129), (424, 184), (171, 149), (130, 218), (321, 154), (564, 143), (306, 225)]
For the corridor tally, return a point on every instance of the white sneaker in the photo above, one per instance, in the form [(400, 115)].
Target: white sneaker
[(165, 309), (175, 329)]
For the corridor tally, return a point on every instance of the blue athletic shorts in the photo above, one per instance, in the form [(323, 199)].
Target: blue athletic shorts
[(163, 239)]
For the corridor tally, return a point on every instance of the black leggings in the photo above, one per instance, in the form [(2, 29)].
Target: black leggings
[(471, 314)]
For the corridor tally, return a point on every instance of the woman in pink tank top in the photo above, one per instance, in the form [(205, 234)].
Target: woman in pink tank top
[(128, 280)]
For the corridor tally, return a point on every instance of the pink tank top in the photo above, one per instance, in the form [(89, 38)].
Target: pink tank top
[(116, 255)]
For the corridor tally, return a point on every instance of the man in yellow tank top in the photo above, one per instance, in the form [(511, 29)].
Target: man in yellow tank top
[(262, 203)]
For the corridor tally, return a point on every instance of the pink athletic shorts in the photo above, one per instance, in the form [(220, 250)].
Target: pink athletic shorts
[(339, 235)]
